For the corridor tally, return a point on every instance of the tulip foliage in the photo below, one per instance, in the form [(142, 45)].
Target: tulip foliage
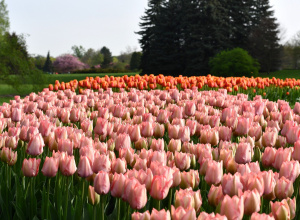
[(182, 153)]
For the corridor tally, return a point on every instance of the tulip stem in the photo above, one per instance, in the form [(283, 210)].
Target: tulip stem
[(170, 198), (102, 197), (67, 198), (48, 195), (157, 204), (118, 207)]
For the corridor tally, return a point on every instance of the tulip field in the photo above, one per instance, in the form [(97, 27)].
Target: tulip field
[(153, 147)]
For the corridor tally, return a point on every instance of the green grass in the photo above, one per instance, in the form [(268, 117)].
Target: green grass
[(282, 74), (7, 92)]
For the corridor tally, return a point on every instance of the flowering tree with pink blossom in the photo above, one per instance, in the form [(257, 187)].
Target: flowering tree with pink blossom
[(67, 63)]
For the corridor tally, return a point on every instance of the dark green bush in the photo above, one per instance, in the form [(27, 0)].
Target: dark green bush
[(236, 62)]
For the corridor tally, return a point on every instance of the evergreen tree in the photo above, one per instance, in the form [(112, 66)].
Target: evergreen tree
[(4, 20), (150, 37), (207, 34), (107, 57), (264, 37), (48, 66), (135, 60)]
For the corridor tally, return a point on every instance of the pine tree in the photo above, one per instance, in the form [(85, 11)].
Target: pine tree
[(4, 19), (107, 57), (207, 34), (48, 66), (264, 37), (135, 60), (149, 37)]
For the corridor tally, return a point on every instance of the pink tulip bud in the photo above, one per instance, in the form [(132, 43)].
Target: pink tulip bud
[(50, 166), (102, 183), (84, 167), (35, 145), (214, 172), (181, 213), (281, 156), (140, 216), (189, 179), (16, 114), (243, 153), (159, 130), (67, 165), (160, 187), (30, 167), (280, 210), (263, 216), (284, 188), (117, 185), (101, 163), (118, 166), (8, 156), (174, 145), (215, 195), (232, 208), (251, 201), (162, 214), (231, 184), (93, 197)]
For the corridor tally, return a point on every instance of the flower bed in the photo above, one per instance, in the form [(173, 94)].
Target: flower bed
[(177, 153)]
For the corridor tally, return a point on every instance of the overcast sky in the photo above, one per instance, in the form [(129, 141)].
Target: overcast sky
[(57, 25)]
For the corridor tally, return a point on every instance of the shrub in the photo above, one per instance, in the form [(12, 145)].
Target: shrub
[(67, 63), (236, 62)]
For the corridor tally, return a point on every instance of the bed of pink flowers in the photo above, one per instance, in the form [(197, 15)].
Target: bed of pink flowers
[(149, 155)]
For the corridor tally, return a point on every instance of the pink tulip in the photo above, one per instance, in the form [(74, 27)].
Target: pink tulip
[(280, 210), (212, 216), (118, 166), (215, 195), (8, 156), (290, 170), (251, 201), (122, 141), (135, 133), (16, 114), (35, 145), (181, 213), (173, 131), (225, 133), (188, 199), (146, 129), (67, 165), (293, 134), (157, 145), (117, 185), (184, 134), (214, 172), (101, 163), (269, 184), (160, 187), (182, 160), (45, 128), (292, 206), (93, 197), (30, 167), (232, 208), (174, 145), (284, 188), (192, 124), (243, 126), (101, 183), (159, 130), (162, 214), (281, 156), (65, 145), (268, 156), (243, 153), (189, 179), (140, 216), (263, 216), (50, 166), (84, 167), (231, 184)]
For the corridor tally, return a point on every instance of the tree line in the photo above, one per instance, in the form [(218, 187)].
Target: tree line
[(181, 36)]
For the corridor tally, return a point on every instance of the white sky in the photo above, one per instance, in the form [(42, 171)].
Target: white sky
[(57, 25)]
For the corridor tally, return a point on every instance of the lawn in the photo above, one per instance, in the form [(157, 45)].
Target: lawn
[(7, 92)]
